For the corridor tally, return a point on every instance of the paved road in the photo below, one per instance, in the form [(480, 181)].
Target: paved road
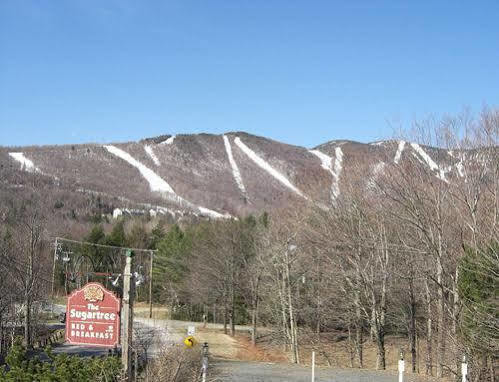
[(270, 372)]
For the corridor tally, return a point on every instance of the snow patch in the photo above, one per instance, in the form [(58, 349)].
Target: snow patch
[(327, 164), (27, 164), (338, 163), (156, 183), (235, 170), (151, 154), (213, 214), (378, 168), (398, 154), (326, 160), (169, 141), (430, 162), (267, 167)]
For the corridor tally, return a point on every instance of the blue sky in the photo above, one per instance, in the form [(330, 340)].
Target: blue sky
[(303, 72)]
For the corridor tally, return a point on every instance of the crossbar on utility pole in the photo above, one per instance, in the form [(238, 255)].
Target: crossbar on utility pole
[(127, 317)]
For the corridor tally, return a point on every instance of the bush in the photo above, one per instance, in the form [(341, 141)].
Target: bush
[(176, 365), (60, 368)]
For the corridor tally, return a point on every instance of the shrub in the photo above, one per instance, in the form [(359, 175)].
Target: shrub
[(59, 368), (176, 365)]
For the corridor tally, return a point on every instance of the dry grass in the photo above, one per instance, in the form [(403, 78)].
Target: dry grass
[(175, 365), (249, 352), (159, 312), (221, 344), (333, 352), (329, 352)]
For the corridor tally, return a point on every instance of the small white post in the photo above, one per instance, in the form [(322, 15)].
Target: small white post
[(464, 370), (313, 366), (204, 366), (401, 367)]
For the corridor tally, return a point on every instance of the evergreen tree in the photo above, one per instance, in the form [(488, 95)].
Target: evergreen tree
[(479, 292)]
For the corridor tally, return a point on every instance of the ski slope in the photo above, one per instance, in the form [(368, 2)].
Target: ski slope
[(151, 154), (169, 141), (334, 170), (398, 154), (327, 164), (27, 164), (235, 169), (267, 167), (156, 183), (338, 166), (430, 162)]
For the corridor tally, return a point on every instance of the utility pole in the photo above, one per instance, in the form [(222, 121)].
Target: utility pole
[(150, 286), (53, 267), (127, 317)]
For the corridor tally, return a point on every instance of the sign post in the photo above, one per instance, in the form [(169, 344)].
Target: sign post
[(93, 317)]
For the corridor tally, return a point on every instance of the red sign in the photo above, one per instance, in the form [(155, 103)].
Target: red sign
[(93, 317)]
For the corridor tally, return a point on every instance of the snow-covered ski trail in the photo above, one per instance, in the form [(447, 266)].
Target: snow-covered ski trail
[(430, 162), (338, 166), (169, 141), (235, 169), (156, 183), (335, 170), (151, 154), (267, 167), (398, 154), (327, 164), (25, 162)]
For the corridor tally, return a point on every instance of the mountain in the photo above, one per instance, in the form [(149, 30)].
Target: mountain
[(204, 175)]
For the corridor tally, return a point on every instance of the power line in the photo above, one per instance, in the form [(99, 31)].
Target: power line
[(104, 245)]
